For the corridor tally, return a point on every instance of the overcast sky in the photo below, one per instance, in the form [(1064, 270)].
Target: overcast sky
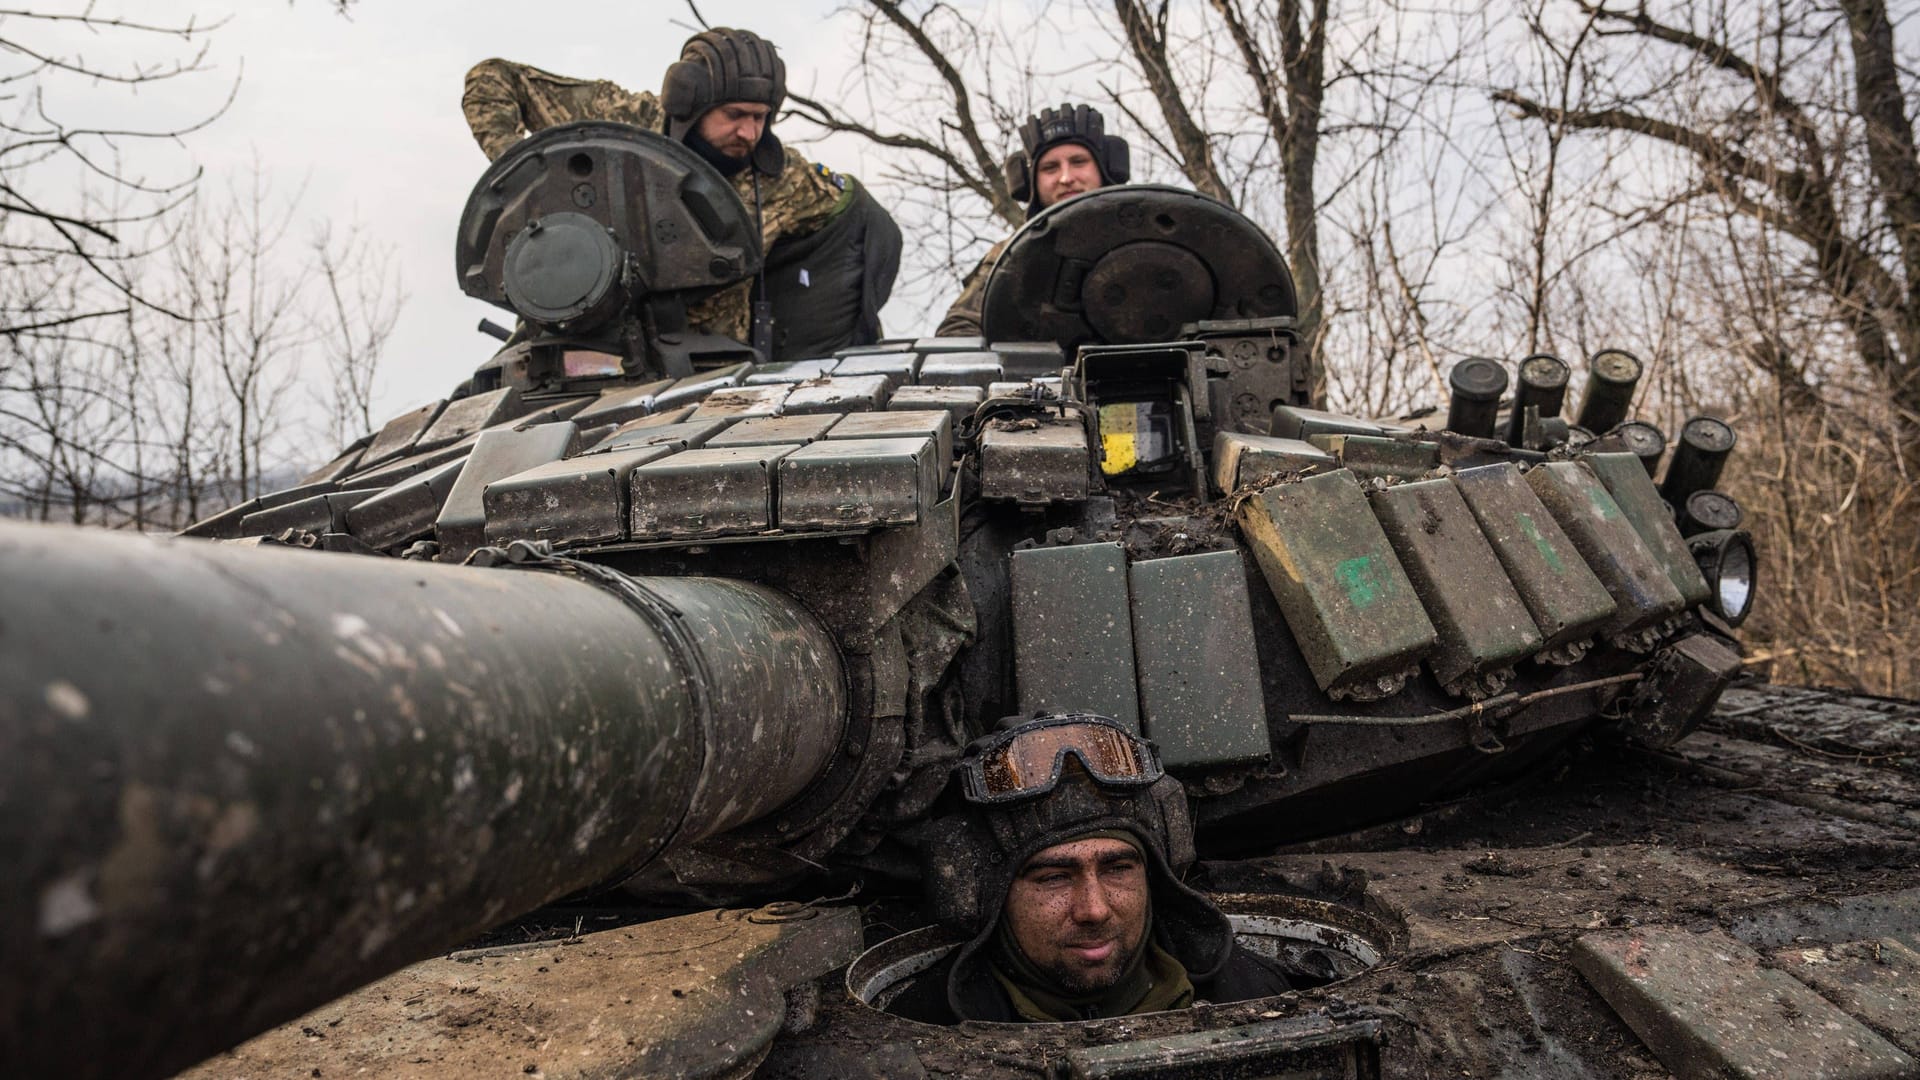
[(365, 110)]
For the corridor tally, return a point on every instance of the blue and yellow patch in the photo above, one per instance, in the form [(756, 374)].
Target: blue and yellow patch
[(839, 182)]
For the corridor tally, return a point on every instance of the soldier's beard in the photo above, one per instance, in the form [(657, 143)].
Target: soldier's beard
[(726, 160), (1080, 981)]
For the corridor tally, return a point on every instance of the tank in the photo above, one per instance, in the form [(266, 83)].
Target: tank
[(589, 722)]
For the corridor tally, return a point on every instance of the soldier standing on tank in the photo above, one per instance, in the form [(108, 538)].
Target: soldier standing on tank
[(1065, 152), (1063, 870), (720, 99)]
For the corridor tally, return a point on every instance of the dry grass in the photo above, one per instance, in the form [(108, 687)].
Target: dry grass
[(1837, 527)]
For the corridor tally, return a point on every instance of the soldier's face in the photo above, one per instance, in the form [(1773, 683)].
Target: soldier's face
[(734, 127), (1079, 911), (1063, 171)]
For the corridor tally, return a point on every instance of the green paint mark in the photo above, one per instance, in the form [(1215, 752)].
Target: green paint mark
[(1602, 502), (1357, 575), (1546, 550)]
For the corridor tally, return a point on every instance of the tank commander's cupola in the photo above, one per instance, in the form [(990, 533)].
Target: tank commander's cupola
[(600, 236), (1131, 265)]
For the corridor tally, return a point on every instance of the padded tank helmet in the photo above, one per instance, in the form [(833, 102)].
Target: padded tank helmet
[(1045, 780), (1080, 124), (722, 65)]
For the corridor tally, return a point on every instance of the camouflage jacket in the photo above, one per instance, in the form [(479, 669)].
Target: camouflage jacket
[(504, 102), (963, 318)]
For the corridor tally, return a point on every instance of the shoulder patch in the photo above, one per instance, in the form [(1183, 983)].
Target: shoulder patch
[(839, 182)]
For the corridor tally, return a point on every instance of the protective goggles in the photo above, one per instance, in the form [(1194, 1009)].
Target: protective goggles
[(1028, 760)]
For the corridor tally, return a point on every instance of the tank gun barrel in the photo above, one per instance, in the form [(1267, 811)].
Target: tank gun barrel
[(237, 783)]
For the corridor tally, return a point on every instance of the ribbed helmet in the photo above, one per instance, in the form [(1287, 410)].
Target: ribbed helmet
[(721, 65), (1049, 128), (972, 857)]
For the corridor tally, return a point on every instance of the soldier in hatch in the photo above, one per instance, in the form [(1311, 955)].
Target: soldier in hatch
[(1065, 873), (720, 99), (1066, 152)]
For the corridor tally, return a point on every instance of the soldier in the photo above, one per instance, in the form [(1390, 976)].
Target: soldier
[(1066, 152), (720, 99), (1064, 872)]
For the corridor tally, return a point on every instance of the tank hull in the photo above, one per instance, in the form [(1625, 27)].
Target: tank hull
[(1496, 912)]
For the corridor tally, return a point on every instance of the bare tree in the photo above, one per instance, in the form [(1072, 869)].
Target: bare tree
[(1225, 97), (964, 146), (150, 420), (1281, 50), (151, 333), (251, 320), (1745, 203), (361, 303), (55, 414), (1778, 109), (67, 198), (943, 93)]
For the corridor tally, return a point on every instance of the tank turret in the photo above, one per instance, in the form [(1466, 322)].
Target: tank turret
[(633, 608)]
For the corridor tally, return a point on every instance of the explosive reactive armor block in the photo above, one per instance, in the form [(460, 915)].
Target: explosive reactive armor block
[(551, 413), (839, 394), (1200, 697), (497, 453), (399, 434), (1242, 460), (470, 414), (1376, 456), (768, 430), (1612, 548), (1640, 501), (858, 483), (1073, 631), (697, 386), (897, 367), (923, 424), (681, 436), (955, 400), (620, 406), (676, 414), (1483, 624), (1298, 422), (581, 500), (1567, 602), (1030, 359), (885, 345), (225, 525), (406, 510), (322, 513), (1346, 599), (342, 464), (980, 369), (399, 469), (1687, 679), (740, 402), (958, 401), (1035, 461), (949, 344), (789, 372), (706, 492)]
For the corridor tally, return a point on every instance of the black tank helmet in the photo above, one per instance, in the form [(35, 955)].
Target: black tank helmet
[(1081, 124), (721, 65), (1044, 780)]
